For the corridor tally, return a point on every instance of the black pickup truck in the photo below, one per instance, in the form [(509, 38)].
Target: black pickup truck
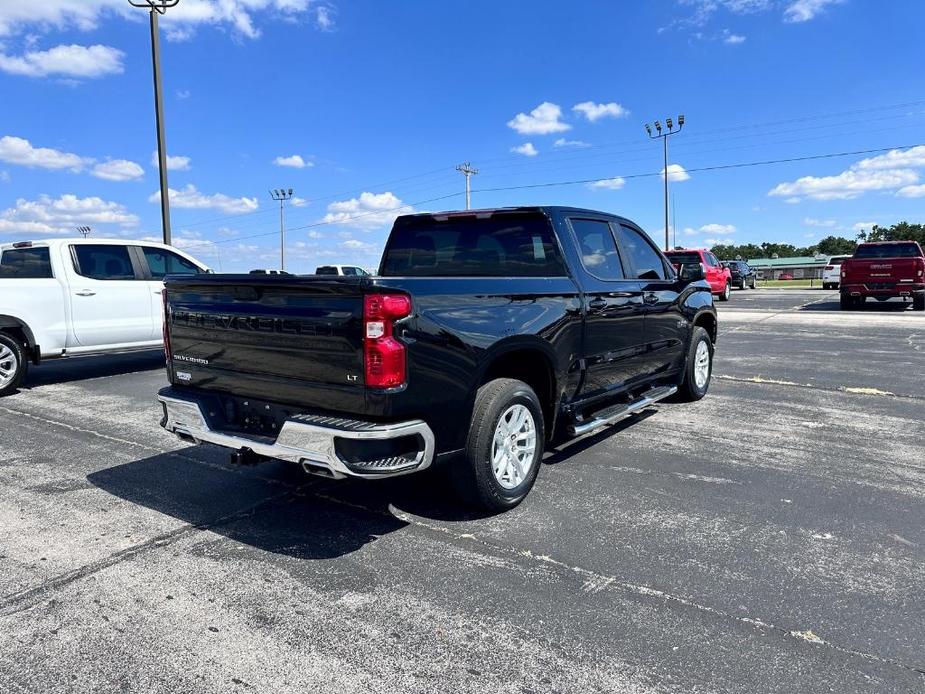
[(484, 334)]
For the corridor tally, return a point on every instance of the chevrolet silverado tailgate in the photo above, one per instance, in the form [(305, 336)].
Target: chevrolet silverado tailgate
[(279, 338)]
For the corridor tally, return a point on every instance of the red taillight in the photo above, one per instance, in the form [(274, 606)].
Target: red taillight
[(165, 328), (384, 356)]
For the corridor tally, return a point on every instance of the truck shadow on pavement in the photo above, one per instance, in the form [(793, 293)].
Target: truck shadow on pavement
[(891, 306), (275, 506)]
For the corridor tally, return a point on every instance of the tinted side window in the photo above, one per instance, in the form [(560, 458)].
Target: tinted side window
[(646, 260), (162, 262), (326, 270), (25, 263), (598, 250), (103, 262)]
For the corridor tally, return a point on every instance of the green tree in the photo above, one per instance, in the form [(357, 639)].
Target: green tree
[(836, 245), (903, 231)]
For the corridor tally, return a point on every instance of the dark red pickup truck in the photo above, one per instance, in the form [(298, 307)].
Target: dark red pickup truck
[(884, 270)]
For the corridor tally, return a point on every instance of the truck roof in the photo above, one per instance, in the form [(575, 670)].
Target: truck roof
[(51, 243), (488, 211)]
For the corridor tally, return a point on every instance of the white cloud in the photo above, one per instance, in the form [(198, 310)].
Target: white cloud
[(608, 184), (543, 120), (184, 94), (863, 226), (294, 162), (709, 243), (594, 112), (296, 201), (179, 23), (733, 39), (676, 172), (16, 150), (824, 223), (912, 191), (61, 215), (118, 170), (914, 157), (562, 142), (324, 17), (718, 229), (190, 198), (690, 231), (527, 149), (805, 10), (5, 176), (845, 186), (174, 163), (367, 212), (67, 61), (315, 234), (354, 245)]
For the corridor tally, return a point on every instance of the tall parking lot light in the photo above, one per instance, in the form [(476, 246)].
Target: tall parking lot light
[(282, 195), (159, 7), (664, 137)]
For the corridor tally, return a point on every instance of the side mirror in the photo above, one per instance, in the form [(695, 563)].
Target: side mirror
[(692, 273)]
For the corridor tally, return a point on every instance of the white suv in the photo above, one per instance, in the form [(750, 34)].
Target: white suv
[(831, 275)]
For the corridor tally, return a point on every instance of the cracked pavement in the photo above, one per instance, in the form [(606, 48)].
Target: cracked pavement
[(768, 538)]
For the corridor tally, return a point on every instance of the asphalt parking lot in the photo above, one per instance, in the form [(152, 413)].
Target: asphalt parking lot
[(769, 538)]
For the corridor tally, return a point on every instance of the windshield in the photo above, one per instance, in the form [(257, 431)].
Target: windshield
[(503, 245), (888, 250)]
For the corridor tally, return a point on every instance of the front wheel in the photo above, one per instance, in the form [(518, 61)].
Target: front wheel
[(504, 447), (724, 296), (13, 364), (699, 368)]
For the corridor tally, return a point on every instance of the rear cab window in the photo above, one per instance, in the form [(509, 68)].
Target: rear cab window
[(326, 270), (684, 257), (26, 264), (501, 245), (888, 250)]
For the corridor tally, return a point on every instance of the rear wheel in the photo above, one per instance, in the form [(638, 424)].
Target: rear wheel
[(742, 283), (13, 364), (724, 296), (504, 447), (699, 368), (918, 302)]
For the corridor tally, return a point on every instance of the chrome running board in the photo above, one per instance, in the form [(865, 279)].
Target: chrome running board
[(611, 414)]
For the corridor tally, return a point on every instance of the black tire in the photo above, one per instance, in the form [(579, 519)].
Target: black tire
[(724, 295), (473, 476), (13, 361), (742, 284), (689, 391), (918, 302), (754, 284), (845, 302)]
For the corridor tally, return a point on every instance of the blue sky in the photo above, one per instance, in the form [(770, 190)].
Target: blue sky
[(364, 108)]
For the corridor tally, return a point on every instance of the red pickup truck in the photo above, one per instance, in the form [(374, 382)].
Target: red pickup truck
[(884, 270)]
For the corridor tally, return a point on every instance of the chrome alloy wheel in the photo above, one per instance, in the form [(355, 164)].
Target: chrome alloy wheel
[(702, 364), (9, 365), (513, 446)]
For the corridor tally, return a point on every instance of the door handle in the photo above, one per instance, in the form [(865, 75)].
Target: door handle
[(86, 292), (597, 304), (650, 298)]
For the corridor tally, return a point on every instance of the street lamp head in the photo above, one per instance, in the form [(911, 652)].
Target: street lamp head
[(290, 191), (658, 127), (649, 130), (669, 123), (680, 120), (158, 5)]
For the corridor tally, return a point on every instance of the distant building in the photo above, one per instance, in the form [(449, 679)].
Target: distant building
[(802, 268)]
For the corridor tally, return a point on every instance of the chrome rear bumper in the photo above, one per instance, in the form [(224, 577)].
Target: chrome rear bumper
[(309, 440)]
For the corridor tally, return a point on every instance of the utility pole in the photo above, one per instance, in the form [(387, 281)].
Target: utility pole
[(282, 195), (84, 231), (466, 170), (159, 7), (664, 136)]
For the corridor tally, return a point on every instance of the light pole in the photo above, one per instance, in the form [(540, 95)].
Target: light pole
[(158, 7), (84, 231), (282, 195), (467, 171), (664, 136)]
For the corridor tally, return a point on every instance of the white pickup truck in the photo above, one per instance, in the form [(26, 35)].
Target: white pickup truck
[(70, 297)]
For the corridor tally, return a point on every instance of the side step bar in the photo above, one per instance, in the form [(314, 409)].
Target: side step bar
[(611, 414)]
